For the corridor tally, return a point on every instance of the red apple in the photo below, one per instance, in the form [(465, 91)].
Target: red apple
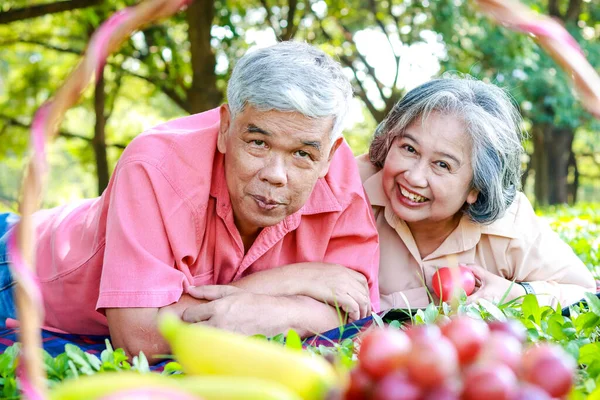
[(443, 281)]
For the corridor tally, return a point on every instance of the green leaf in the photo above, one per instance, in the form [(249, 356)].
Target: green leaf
[(431, 313), (279, 338), (492, 309), (554, 329), (419, 317), (586, 321), (377, 319), (395, 324), (94, 361), (140, 363), (293, 340), (589, 353), (531, 308), (172, 368), (593, 303)]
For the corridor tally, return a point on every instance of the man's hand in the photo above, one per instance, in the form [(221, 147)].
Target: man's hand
[(337, 285), (236, 310), (332, 284)]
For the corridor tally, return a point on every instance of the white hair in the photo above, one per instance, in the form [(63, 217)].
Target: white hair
[(293, 77), (494, 127)]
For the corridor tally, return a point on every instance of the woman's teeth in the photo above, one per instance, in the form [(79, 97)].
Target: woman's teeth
[(414, 197)]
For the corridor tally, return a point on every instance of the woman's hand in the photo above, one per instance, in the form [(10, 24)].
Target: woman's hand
[(492, 287)]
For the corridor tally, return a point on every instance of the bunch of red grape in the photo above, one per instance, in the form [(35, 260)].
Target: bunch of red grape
[(464, 359)]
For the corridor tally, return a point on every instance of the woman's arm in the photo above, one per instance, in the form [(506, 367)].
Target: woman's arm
[(542, 259)]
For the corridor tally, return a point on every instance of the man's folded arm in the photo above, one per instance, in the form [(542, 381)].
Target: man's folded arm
[(136, 330)]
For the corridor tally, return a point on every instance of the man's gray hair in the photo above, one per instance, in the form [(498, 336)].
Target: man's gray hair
[(493, 124), (293, 77)]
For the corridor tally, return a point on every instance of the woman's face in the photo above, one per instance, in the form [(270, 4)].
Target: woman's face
[(427, 172)]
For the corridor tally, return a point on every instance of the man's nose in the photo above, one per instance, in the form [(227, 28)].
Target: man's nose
[(274, 171), (416, 174)]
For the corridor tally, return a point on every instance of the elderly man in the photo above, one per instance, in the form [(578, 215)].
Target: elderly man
[(249, 217)]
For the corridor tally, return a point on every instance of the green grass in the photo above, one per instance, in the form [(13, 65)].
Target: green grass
[(579, 334)]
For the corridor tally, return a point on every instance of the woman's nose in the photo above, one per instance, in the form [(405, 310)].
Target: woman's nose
[(416, 175)]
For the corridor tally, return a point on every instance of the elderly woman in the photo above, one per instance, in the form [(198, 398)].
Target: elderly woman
[(443, 176)]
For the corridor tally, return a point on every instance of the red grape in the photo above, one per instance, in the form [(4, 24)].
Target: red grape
[(512, 327), (531, 392), (396, 386), (432, 362), (428, 332), (550, 368), (444, 392), (468, 336), (360, 386), (503, 348), (493, 381), (383, 351)]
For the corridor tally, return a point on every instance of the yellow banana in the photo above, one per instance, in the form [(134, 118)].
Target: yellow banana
[(99, 385), (203, 350), (215, 387), (195, 387)]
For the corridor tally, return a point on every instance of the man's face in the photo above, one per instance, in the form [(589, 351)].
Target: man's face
[(272, 162)]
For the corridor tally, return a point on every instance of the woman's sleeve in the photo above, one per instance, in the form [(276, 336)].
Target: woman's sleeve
[(542, 259)]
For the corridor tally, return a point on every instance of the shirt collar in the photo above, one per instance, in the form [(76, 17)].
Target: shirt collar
[(466, 236), (373, 186)]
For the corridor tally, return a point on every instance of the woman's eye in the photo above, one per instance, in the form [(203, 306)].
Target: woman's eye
[(444, 165), (409, 148)]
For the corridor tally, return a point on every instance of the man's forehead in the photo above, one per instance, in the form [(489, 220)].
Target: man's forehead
[(291, 125)]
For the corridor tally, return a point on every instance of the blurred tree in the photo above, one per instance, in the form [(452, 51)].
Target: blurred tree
[(542, 89), (181, 66), (175, 56)]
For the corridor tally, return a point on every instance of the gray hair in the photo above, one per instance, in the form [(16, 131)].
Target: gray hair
[(494, 127), (292, 77)]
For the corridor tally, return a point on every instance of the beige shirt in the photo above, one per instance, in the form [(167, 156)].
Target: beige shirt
[(519, 246)]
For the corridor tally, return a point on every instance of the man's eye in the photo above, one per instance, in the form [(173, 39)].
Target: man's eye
[(259, 143), (303, 154)]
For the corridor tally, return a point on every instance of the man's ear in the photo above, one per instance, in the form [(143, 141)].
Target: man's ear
[(224, 126), (334, 148)]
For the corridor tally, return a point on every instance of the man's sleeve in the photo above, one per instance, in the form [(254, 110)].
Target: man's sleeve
[(545, 261), (354, 243), (145, 215)]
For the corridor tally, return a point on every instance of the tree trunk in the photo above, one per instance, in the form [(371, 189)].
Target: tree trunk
[(203, 94), (99, 140), (552, 149), (573, 186)]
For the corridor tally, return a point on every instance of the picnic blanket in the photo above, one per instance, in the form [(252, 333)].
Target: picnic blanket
[(54, 343)]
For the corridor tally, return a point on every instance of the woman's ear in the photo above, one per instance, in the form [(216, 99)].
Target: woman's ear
[(472, 196)]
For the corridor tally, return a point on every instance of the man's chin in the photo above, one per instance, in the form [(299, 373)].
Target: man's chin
[(267, 221)]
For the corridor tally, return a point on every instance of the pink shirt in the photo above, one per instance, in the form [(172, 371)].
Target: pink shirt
[(519, 246), (165, 223)]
